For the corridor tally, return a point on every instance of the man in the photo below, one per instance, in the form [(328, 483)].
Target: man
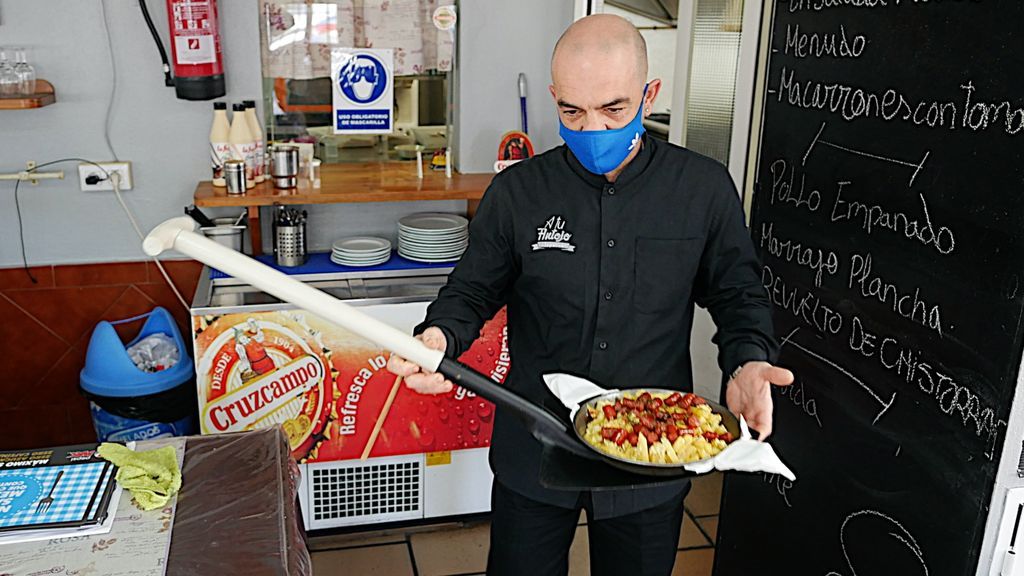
[(600, 249)]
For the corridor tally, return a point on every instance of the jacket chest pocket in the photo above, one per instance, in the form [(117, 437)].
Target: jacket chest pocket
[(664, 272)]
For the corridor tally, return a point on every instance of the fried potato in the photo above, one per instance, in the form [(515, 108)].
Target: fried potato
[(686, 429)]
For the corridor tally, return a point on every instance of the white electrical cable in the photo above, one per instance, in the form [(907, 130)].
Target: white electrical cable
[(115, 181), (115, 178), (113, 80)]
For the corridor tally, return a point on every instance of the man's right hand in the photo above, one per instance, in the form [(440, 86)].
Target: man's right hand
[(415, 377)]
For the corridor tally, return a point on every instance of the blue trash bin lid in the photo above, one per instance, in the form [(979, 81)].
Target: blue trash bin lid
[(109, 371)]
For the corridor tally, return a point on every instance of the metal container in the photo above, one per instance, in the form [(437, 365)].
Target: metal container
[(290, 237), (234, 176), (285, 166), (290, 245), (225, 232)]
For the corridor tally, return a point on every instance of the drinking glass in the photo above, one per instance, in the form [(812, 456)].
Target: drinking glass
[(25, 72), (8, 77)]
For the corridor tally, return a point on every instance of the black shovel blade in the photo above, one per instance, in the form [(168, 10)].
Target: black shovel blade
[(557, 436), (547, 428)]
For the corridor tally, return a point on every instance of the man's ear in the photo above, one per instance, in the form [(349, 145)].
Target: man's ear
[(551, 88), (653, 88)]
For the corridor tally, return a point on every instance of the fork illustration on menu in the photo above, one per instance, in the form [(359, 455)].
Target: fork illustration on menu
[(45, 503)]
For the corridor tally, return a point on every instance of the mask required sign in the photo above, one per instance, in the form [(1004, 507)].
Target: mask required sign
[(363, 91)]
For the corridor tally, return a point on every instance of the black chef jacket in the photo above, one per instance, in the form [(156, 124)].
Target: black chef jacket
[(600, 280)]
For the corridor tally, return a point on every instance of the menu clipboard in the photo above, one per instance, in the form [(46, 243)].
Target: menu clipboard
[(64, 487)]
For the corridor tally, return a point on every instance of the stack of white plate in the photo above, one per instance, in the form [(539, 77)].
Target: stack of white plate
[(361, 251), (433, 237)]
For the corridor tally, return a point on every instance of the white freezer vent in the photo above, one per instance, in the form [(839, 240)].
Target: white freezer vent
[(365, 492)]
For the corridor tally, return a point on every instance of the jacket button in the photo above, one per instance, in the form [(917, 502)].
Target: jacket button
[(603, 345), (608, 295), (611, 191), (611, 243)]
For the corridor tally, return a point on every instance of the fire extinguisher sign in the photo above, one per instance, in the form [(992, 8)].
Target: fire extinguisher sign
[(194, 41), (363, 91)]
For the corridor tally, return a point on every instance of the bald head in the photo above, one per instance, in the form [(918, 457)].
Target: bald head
[(604, 41), (599, 74)]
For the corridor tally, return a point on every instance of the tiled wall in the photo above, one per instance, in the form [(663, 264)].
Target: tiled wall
[(44, 334)]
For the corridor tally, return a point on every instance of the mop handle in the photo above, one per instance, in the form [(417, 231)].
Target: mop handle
[(522, 101)]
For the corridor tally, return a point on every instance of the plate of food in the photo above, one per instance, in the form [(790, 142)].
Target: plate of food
[(655, 428)]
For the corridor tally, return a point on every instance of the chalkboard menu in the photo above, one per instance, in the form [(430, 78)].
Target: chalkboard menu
[(889, 216)]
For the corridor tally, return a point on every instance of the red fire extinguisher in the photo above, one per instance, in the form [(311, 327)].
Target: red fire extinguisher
[(198, 72)]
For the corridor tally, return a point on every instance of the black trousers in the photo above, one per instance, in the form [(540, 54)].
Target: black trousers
[(530, 538)]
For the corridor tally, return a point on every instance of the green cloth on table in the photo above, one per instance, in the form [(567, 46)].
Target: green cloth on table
[(152, 476)]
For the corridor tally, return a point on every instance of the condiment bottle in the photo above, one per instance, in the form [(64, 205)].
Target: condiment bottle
[(256, 131), (243, 145), (220, 149)]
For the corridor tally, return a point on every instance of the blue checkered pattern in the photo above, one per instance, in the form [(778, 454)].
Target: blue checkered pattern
[(71, 497)]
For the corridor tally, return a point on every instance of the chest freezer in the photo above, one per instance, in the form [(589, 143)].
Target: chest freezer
[(263, 363)]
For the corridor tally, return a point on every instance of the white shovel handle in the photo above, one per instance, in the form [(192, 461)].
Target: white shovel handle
[(178, 233)]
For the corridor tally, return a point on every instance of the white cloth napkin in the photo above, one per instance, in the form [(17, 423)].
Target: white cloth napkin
[(745, 454)]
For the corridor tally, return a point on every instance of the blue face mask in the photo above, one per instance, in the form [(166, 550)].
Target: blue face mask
[(601, 151)]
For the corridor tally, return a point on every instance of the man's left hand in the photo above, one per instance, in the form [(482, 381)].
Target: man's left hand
[(749, 394)]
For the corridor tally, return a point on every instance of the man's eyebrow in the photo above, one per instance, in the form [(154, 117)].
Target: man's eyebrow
[(617, 101)]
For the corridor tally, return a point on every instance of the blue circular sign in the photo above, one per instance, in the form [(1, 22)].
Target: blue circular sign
[(363, 78), (17, 493)]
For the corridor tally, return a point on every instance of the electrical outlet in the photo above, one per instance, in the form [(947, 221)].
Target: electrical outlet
[(123, 169)]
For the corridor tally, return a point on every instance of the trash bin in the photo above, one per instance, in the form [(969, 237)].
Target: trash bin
[(128, 403)]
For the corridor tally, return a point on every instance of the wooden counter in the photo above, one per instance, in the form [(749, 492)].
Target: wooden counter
[(351, 182)]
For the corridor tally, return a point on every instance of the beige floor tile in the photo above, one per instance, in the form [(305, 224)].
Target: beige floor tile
[(583, 518), (354, 540), (710, 526), (460, 551), (579, 553), (690, 536), (390, 560), (706, 495), (694, 562)]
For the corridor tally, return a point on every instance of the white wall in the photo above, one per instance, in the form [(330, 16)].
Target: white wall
[(498, 40), (164, 138)]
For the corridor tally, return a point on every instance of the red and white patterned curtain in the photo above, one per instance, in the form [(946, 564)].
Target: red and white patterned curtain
[(297, 37)]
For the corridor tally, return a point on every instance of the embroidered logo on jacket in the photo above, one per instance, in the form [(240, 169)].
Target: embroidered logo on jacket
[(553, 236)]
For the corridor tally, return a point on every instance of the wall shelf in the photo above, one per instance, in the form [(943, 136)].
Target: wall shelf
[(355, 182), (348, 183), (43, 96)]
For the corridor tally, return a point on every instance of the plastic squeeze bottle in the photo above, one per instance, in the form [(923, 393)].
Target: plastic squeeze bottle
[(256, 131), (220, 149), (243, 145)]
